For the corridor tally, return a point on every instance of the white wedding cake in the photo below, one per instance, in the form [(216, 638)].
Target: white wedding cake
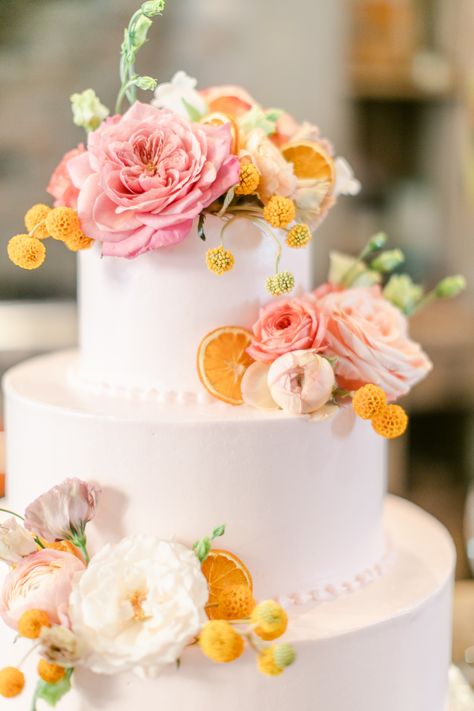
[(260, 435)]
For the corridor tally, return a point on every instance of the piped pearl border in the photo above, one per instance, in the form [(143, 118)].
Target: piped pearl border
[(140, 393), (333, 591)]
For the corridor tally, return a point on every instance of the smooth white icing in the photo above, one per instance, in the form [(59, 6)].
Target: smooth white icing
[(302, 500), (141, 320), (384, 647)]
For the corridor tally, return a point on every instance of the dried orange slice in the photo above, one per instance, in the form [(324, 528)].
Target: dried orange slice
[(222, 361), (221, 570), (310, 161)]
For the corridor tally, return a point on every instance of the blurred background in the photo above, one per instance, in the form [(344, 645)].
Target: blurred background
[(390, 81)]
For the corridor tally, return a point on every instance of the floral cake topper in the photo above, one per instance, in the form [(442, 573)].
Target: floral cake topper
[(135, 606), (149, 173)]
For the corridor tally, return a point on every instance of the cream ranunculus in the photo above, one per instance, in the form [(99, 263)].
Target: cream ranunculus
[(301, 382), (138, 605), (15, 542)]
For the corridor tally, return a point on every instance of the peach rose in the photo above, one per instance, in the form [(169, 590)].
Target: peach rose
[(147, 175), (284, 326), (42, 581), (60, 184), (369, 338), (277, 176)]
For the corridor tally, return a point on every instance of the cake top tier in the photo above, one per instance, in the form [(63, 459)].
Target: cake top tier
[(141, 321), (191, 211)]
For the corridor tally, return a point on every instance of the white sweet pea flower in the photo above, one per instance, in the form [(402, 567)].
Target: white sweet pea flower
[(138, 605), (179, 94), (15, 542), (346, 183)]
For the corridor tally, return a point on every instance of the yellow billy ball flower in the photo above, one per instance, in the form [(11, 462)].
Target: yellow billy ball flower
[(78, 241), (50, 673), (62, 222), (368, 401), (281, 283), (220, 642), (284, 655), (390, 422), (269, 619), (235, 603), (32, 622), (299, 236), (35, 216), (26, 252), (249, 179), (267, 665), (12, 682), (279, 211), (219, 260)]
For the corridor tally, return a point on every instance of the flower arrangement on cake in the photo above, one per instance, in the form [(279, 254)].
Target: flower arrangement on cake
[(346, 341), (135, 606), (148, 173)]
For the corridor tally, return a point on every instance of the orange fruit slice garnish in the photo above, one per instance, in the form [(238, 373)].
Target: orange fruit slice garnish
[(310, 161), (218, 118), (222, 569), (222, 361)]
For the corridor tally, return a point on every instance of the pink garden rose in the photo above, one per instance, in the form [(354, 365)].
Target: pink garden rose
[(42, 581), (147, 175), (289, 325), (301, 382), (63, 511), (369, 338), (60, 184)]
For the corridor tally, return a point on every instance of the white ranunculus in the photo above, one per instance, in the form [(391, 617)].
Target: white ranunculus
[(15, 542), (301, 382), (178, 93), (138, 605)]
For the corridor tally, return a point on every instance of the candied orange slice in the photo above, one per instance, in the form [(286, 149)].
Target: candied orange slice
[(221, 570), (222, 361), (310, 161)]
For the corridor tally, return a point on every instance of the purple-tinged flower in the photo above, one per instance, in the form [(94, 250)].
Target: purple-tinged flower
[(64, 511)]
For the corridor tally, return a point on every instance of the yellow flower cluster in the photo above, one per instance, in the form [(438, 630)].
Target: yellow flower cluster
[(280, 283), (32, 622), (299, 236), (12, 682), (223, 643), (249, 179), (219, 260), (62, 223), (12, 679), (370, 403), (279, 211)]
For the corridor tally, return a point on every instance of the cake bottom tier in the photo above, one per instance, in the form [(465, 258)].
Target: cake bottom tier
[(385, 647)]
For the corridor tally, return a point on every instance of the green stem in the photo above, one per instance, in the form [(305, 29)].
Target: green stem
[(81, 544), (12, 513), (122, 93), (263, 227), (427, 299)]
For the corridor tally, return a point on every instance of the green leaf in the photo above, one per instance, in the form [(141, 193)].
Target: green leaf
[(53, 693), (229, 196), (202, 548), (201, 221), (218, 532), (193, 113)]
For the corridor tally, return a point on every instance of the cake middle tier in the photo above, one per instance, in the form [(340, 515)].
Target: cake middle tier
[(302, 499), (142, 320)]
